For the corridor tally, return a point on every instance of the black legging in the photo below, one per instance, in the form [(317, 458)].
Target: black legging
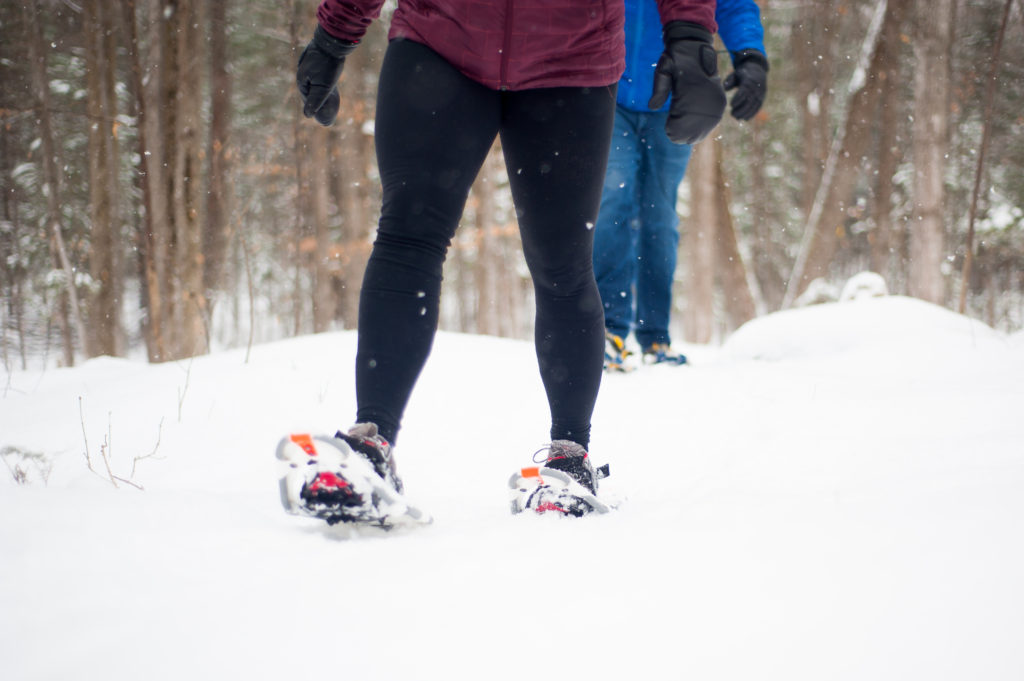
[(434, 128)]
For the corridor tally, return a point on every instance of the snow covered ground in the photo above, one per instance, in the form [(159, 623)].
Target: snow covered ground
[(836, 493)]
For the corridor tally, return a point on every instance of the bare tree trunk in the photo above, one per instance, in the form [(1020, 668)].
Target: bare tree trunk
[(190, 302), (764, 279), (735, 282), (348, 165), (814, 62), (166, 79), (10, 245), (508, 285), (104, 308), (69, 299), (218, 152), (459, 287), (699, 245), (767, 284), (143, 225), (985, 136), (488, 259), (323, 291), (149, 73), (301, 145), (828, 213), (69, 311), (350, 160), (882, 239), (931, 143)]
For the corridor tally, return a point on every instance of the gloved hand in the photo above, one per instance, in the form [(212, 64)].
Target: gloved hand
[(750, 78), (688, 69), (319, 69)]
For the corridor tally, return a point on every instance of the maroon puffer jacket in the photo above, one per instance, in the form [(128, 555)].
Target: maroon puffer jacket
[(514, 44)]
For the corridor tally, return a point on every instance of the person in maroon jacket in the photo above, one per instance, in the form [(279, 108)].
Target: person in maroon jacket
[(456, 75)]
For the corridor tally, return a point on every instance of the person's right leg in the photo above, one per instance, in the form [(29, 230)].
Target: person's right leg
[(434, 128), (615, 232)]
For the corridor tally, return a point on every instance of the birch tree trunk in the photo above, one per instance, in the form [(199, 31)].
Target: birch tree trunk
[(934, 36)]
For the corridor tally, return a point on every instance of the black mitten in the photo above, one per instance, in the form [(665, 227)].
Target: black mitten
[(320, 67), (688, 70), (750, 78)]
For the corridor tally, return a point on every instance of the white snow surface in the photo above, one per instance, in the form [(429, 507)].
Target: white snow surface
[(836, 493)]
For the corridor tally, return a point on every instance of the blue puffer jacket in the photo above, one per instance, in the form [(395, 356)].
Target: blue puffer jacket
[(739, 25)]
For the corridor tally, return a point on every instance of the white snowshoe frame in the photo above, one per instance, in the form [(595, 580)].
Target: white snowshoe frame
[(546, 490), (303, 456)]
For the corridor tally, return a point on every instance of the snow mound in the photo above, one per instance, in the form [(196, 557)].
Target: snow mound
[(864, 285), (891, 324)]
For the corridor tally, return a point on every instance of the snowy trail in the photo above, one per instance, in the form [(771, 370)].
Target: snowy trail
[(834, 494)]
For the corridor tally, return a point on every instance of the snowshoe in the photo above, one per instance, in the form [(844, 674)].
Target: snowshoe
[(327, 478), (565, 484)]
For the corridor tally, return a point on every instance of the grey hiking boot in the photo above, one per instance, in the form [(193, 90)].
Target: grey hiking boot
[(565, 482), (571, 458), (364, 438)]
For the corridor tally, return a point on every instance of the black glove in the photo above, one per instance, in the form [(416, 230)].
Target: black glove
[(688, 68), (319, 70), (750, 78)]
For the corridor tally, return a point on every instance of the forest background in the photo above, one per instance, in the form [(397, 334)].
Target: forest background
[(162, 194)]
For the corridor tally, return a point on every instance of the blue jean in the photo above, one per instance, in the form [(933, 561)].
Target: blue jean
[(636, 236)]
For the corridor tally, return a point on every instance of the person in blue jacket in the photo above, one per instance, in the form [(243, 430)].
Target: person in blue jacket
[(636, 235)]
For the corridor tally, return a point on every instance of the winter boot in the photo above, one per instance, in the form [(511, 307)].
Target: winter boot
[(364, 438), (615, 353), (662, 353), (564, 483)]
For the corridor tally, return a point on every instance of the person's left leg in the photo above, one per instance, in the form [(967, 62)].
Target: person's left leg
[(662, 169), (556, 143)]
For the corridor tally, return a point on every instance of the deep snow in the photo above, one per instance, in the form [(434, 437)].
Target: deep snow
[(835, 493)]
